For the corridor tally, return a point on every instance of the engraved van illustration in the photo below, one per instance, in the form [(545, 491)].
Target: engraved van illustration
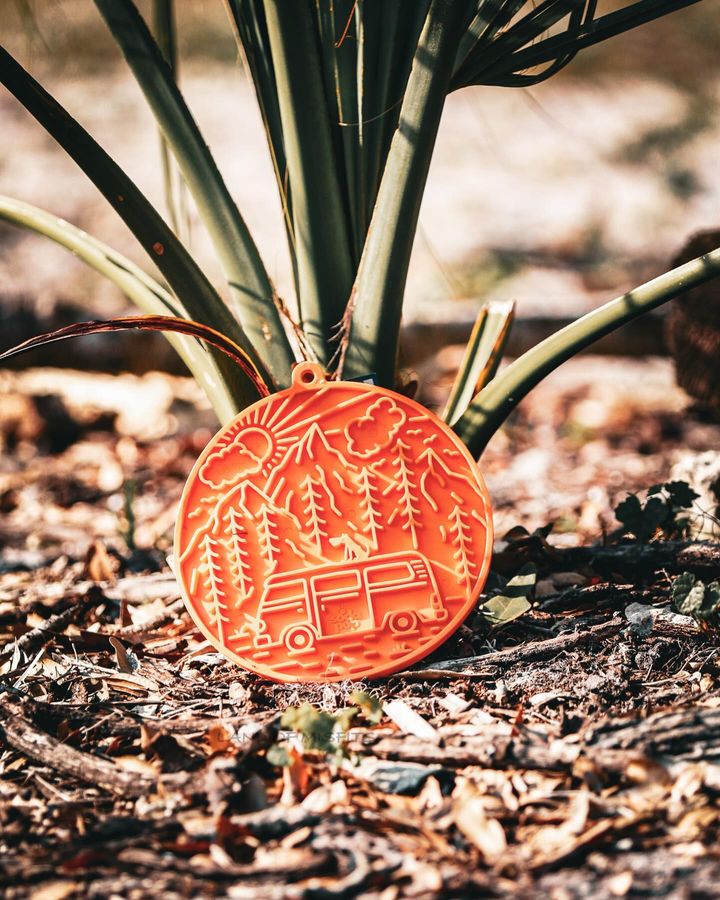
[(396, 591)]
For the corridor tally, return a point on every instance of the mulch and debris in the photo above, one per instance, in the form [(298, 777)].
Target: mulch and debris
[(571, 752)]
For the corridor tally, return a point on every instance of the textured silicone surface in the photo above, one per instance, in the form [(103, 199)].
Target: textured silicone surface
[(331, 531)]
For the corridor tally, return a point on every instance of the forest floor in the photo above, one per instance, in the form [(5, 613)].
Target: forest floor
[(573, 752)]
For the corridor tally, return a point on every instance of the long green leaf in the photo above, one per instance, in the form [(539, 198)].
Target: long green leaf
[(179, 269), (320, 219), (509, 68), (491, 17), (597, 29), (248, 18), (139, 287), (528, 29), (501, 27), (165, 33), (373, 315), (495, 403), (482, 356), (526, 32), (387, 45), (254, 301), (339, 25)]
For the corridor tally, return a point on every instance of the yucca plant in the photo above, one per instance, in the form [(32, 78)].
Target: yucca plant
[(351, 94)]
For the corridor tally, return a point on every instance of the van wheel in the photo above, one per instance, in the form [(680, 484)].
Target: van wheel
[(402, 622), (301, 637)]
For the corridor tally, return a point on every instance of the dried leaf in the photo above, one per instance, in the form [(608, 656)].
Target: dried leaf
[(619, 885), (513, 601), (296, 778), (217, 738), (54, 890), (99, 565), (486, 833), (323, 798), (122, 656), (409, 722)]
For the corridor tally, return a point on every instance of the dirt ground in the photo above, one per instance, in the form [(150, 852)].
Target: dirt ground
[(570, 753)]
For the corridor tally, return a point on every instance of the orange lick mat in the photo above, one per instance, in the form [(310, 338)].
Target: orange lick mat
[(334, 530)]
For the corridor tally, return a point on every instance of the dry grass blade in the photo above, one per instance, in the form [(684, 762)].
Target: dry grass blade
[(150, 323)]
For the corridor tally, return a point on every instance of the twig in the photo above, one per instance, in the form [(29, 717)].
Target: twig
[(599, 596), (686, 733), (171, 612), (43, 634), (634, 558), (22, 735), (491, 748), (525, 653)]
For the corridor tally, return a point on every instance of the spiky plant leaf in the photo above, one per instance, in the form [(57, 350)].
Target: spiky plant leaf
[(140, 288), (507, 56), (372, 320), (496, 401), (252, 293), (482, 356), (180, 270), (320, 222), (165, 34)]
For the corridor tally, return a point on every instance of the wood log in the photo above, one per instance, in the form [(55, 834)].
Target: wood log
[(534, 651), (22, 735), (635, 559)]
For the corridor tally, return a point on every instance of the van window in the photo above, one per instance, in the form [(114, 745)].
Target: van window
[(392, 574), (285, 592), (338, 584)]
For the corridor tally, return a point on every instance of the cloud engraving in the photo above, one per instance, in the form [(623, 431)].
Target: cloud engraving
[(244, 455), (374, 431)]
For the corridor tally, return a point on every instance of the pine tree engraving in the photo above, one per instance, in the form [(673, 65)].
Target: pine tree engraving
[(370, 515), (460, 534), (238, 548), (406, 488), (270, 541), (315, 516), (214, 600)]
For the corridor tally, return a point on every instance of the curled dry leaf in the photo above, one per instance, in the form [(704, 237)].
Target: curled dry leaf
[(100, 566), (487, 834), (325, 797), (296, 778)]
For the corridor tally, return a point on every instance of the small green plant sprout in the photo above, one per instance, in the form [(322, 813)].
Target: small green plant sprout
[(127, 520), (322, 731), (367, 705), (693, 597), (660, 515), (512, 600), (314, 726)]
